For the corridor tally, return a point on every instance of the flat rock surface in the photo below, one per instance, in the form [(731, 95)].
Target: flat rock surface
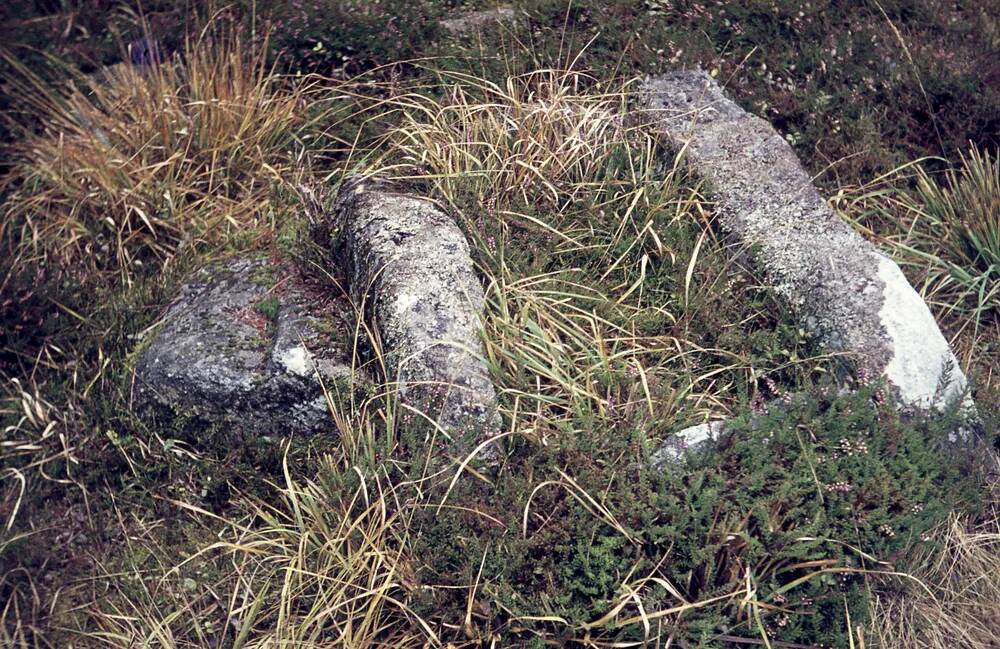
[(249, 345), (480, 19)]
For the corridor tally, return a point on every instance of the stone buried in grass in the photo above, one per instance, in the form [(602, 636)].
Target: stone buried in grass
[(479, 20), (674, 449), (409, 265), (843, 289), (239, 350)]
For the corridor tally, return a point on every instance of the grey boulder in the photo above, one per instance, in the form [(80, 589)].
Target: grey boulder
[(409, 265), (842, 287), (248, 346)]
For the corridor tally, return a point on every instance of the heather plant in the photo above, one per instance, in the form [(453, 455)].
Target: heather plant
[(776, 534)]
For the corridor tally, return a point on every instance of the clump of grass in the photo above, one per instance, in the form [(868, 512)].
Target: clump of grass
[(952, 598), (525, 163), (319, 563), (135, 163), (942, 229), (955, 229), (546, 135)]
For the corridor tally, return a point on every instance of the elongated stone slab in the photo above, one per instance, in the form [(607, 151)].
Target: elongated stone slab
[(409, 264), (844, 290)]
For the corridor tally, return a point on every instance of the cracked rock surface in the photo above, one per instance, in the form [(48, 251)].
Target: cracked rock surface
[(247, 345)]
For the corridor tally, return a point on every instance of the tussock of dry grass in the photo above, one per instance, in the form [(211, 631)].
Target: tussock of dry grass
[(543, 136), (955, 602), (131, 165), (317, 566)]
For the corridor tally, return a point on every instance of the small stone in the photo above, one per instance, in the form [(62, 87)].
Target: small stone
[(675, 449)]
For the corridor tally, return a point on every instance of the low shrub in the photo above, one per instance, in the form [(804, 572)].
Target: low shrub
[(779, 533)]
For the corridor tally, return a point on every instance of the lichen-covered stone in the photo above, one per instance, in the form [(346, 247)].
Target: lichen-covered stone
[(248, 346), (479, 19), (409, 264), (844, 289), (675, 448)]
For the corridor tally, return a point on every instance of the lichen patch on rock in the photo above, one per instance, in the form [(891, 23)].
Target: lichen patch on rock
[(238, 352)]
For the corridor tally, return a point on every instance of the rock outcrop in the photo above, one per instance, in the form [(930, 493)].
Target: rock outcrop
[(248, 346), (846, 291)]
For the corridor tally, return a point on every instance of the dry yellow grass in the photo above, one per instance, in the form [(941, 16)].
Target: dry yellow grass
[(316, 566), (954, 601), (128, 166)]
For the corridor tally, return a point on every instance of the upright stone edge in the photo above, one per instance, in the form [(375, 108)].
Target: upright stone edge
[(409, 265), (842, 288)]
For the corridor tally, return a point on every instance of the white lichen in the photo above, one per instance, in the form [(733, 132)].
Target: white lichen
[(297, 360), (921, 356)]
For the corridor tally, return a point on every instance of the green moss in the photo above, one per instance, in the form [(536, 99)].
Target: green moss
[(268, 307), (263, 275)]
